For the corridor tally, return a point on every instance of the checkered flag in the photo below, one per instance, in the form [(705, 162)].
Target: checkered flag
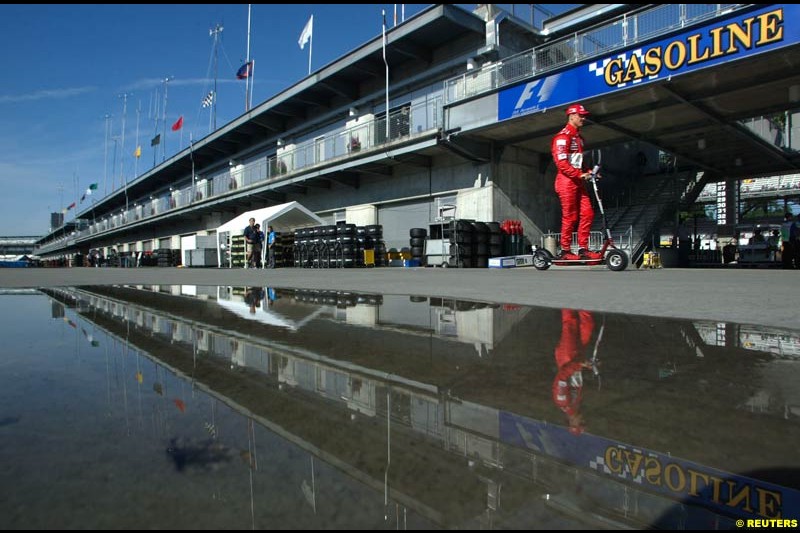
[(209, 99)]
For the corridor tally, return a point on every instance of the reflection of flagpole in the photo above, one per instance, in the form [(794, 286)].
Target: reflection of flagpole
[(252, 463), (313, 486), (388, 454)]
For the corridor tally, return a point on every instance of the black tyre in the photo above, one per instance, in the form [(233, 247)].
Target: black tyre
[(616, 260), (541, 261)]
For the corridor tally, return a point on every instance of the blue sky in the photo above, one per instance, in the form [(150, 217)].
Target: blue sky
[(65, 68)]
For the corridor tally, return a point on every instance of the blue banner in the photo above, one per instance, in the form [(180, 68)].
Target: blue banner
[(721, 41), (678, 479)]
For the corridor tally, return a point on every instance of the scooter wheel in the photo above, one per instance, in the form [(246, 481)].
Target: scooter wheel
[(541, 261), (616, 260)]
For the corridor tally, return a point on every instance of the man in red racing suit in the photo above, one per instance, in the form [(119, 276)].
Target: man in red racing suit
[(576, 332), (567, 150)]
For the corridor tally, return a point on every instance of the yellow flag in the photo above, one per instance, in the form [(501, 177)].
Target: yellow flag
[(138, 152)]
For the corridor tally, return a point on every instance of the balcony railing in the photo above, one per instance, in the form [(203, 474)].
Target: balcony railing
[(623, 31)]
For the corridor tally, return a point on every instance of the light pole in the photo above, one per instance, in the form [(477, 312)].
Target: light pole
[(215, 33)]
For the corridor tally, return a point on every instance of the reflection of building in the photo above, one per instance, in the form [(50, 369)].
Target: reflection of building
[(775, 341), (471, 440), (477, 323)]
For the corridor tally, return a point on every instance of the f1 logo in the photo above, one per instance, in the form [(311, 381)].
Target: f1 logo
[(527, 94)]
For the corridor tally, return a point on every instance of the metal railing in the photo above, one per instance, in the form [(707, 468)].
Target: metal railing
[(625, 30), (406, 123), (622, 240)]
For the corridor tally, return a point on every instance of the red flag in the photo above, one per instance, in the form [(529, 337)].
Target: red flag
[(178, 124)]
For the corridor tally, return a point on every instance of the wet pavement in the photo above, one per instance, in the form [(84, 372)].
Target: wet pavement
[(198, 407)]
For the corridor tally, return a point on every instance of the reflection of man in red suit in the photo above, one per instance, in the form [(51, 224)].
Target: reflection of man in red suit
[(576, 332)]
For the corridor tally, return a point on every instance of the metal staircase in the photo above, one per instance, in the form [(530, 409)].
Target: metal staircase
[(653, 199)]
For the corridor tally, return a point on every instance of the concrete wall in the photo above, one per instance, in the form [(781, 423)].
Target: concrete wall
[(527, 178)]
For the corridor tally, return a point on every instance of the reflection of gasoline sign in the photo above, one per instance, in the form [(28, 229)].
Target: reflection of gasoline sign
[(749, 33), (742, 494)]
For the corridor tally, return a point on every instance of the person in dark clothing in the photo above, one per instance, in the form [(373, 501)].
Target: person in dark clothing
[(250, 239), (253, 298), (258, 252), (271, 235), (788, 242)]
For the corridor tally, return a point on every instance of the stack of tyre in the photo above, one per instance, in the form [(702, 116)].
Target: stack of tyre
[(473, 243), (339, 246), (495, 239), (373, 240), (284, 249), (417, 244), (461, 236), (326, 251), (305, 246), (346, 250), (163, 257)]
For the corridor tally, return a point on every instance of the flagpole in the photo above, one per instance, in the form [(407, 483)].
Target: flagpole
[(164, 137), (248, 82), (105, 158), (138, 152), (305, 36), (310, 46), (383, 12), (215, 32), (211, 114), (194, 178), (75, 203), (252, 81), (122, 147), (155, 130)]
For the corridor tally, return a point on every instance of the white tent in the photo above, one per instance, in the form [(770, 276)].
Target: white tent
[(283, 218), (275, 315)]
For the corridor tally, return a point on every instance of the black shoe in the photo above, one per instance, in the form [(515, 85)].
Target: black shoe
[(566, 255)]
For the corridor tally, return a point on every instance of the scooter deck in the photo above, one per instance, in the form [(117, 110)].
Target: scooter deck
[(578, 262)]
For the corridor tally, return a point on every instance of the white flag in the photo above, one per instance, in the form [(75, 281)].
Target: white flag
[(209, 99), (307, 31)]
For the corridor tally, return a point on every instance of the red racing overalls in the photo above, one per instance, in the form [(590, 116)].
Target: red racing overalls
[(567, 150), (577, 328)]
